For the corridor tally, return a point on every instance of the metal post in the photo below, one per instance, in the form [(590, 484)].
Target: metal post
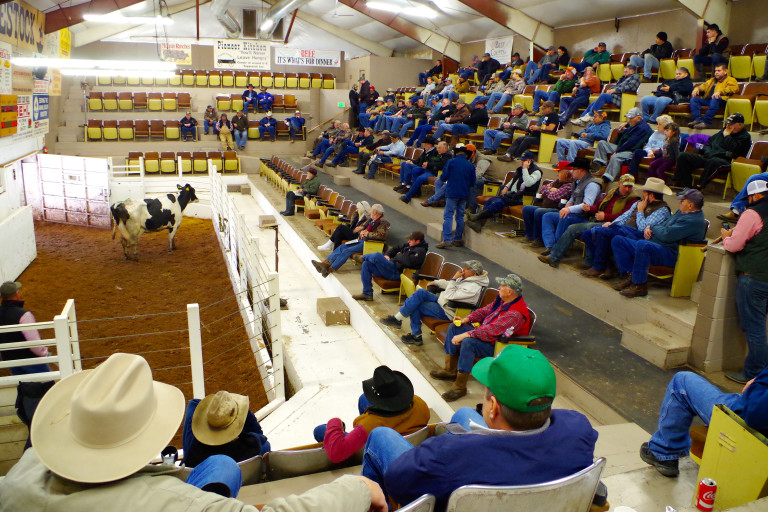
[(196, 351), (63, 345), (276, 334)]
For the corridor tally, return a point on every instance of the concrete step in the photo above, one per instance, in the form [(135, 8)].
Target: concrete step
[(656, 344), (678, 321)]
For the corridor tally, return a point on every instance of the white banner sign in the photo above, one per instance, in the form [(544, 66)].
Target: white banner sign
[(318, 58), (241, 54), (500, 48), (24, 113), (180, 53), (6, 73)]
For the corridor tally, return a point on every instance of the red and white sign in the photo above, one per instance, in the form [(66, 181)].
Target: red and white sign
[(315, 58)]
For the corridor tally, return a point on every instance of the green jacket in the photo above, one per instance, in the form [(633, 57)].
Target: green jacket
[(311, 186), (593, 57), (564, 86)]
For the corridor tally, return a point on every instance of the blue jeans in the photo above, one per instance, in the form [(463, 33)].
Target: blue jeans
[(468, 350), (419, 134), (265, 105), (423, 78), (439, 194), (713, 104), (419, 179), (343, 252), (553, 227), (453, 129), (422, 303), (321, 148), (365, 119), (30, 368), (252, 103), (648, 62), (395, 123), (530, 68), (405, 127), (568, 149), (381, 122), (653, 106), (637, 256), (478, 98), (492, 139), (215, 471), (540, 74), (532, 216), (188, 131), (453, 208), (207, 125), (264, 130), (375, 264), (373, 165), (570, 104), (752, 304), (740, 201), (328, 152), (709, 60), (294, 129), (688, 395), (581, 66), (539, 95), (406, 172), (598, 104), (565, 241), (241, 136), (501, 100), (598, 241), (347, 149)]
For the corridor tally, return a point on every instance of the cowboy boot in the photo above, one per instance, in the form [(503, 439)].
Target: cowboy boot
[(459, 388), (626, 282), (321, 266), (450, 370)]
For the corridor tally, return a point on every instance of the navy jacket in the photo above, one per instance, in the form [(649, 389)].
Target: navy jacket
[(267, 122), (459, 174), (444, 463), (755, 411), (680, 227), (634, 137)]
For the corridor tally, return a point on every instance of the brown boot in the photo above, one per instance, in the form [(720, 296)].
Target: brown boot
[(459, 388), (610, 273), (321, 266), (591, 272), (624, 283), (450, 370), (635, 290)]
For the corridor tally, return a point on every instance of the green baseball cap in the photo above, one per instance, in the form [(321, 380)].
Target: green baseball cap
[(516, 376)]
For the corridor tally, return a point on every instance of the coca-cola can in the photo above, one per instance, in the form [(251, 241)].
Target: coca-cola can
[(706, 498)]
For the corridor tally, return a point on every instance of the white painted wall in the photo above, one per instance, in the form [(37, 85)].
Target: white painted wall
[(17, 230)]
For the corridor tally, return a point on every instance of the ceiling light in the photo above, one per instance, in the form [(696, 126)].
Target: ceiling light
[(384, 6), (267, 25), (115, 18), (412, 9), (124, 65)]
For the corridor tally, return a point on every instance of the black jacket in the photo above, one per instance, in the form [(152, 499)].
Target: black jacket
[(365, 93), (404, 256), (486, 68), (660, 51), (679, 89), (478, 117)]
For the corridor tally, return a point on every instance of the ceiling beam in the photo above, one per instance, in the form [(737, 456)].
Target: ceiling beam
[(713, 11), (423, 35), (347, 35), (68, 16), (515, 20)]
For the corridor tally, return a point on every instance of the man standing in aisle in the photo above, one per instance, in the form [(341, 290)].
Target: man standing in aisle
[(240, 129), (459, 176), (748, 240)]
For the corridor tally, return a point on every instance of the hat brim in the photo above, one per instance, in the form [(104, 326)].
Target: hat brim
[(481, 369), (401, 401), (217, 436), (62, 453), (665, 190)]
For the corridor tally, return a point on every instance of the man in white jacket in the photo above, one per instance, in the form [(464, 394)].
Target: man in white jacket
[(465, 286)]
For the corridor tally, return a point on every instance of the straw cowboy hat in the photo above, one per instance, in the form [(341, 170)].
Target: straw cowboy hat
[(388, 390), (656, 185), (219, 418), (105, 424)]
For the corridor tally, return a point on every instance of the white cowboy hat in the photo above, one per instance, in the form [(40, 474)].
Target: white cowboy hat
[(655, 185), (219, 418), (105, 424)]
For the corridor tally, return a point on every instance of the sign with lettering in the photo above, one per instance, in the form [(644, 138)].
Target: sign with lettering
[(180, 53), (241, 54), (500, 48), (6, 72), (317, 58), (24, 113), (39, 108), (22, 26)]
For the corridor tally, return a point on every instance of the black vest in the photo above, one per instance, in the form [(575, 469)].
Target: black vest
[(752, 258), (11, 312)]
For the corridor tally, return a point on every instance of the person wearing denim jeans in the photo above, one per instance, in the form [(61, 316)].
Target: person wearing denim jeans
[(459, 175), (713, 52), (713, 94), (748, 241), (516, 430), (585, 192), (240, 129), (390, 265), (295, 125), (651, 57)]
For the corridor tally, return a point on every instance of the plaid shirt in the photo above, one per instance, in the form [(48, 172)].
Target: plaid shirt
[(627, 83), (496, 322)]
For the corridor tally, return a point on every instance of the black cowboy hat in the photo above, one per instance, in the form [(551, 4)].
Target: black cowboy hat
[(388, 390)]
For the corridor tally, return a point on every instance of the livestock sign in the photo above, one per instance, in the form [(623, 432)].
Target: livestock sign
[(179, 53), (317, 58), (500, 48), (22, 26), (241, 54)]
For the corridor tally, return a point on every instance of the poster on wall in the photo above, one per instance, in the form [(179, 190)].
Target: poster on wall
[(22, 26), (6, 72), (24, 113), (178, 53), (298, 57), (241, 54), (500, 48), (39, 110), (58, 45), (23, 82)]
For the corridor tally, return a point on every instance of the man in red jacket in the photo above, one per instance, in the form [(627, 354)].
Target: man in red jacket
[(464, 342)]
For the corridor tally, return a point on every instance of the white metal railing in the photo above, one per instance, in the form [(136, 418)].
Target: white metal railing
[(257, 287)]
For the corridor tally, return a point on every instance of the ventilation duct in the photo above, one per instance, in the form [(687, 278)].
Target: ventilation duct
[(223, 16), (275, 14)]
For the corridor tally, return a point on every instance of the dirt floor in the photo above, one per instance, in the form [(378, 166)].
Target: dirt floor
[(87, 265)]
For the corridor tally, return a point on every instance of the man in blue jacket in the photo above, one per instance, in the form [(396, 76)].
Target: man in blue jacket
[(459, 176), (689, 395), (518, 439), (659, 245), (632, 135), (267, 126), (597, 130), (250, 98), (265, 100)]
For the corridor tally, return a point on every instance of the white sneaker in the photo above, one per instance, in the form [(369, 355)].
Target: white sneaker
[(585, 119), (577, 122), (327, 246)]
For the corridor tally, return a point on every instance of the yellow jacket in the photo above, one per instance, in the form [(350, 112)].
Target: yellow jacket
[(726, 88)]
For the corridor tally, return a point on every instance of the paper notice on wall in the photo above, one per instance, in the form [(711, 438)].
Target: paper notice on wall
[(6, 71), (179, 53), (500, 48), (241, 54), (298, 57)]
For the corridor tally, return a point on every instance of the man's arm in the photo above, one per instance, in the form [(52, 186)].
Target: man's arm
[(656, 217), (749, 225), (349, 493), (33, 334), (590, 194)]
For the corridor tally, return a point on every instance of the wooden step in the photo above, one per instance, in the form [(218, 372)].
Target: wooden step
[(659, 346)]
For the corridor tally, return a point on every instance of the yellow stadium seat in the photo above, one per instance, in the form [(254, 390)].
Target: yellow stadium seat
[(214, 78), (227, 79), (125, 101), (175, 80), (291, 80), (110, 101), (184, 161), (201, 78), (267, 80), (237, 102), (223, 103), (152, 163), (133, 81), (104, 80), (169, 101), (604, 72), (231, 162), (109, 130), (147, 81), (187, 78), (155, 102), (168, 162), (279, 80), (95, 101), (125, 129)]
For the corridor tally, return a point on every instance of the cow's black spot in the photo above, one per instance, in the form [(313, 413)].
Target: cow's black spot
[(159, 218), (172, 198)]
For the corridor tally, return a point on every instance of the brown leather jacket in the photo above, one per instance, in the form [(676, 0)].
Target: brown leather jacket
[(379, 229), (460, 115)]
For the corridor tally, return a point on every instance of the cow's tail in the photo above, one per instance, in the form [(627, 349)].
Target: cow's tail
[(120, 214)]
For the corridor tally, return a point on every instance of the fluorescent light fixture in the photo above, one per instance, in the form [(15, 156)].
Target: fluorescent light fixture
[(115, 18), (117, 72), (412, 9), (267, 25), (384, 6), (124, 65)]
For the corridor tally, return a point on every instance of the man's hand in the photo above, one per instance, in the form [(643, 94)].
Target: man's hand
[(651, 154), (606, 224), (378, 500), (749, 383), (716, 95), (535, 128), (695, 92), (647, 233), (387, 257), (526, 164), (585, 207), (459, 338), (600, 216), (725, 233), (424, 165), (583, 135), (357, 229), (610, 91), (641, 205), (665, 88), (506, 125), (564, 212), (363, 234)]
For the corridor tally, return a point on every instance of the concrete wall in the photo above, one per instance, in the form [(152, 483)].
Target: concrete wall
[(17, 231), (749, 22)]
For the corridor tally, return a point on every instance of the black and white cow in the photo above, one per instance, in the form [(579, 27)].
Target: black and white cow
[(133, 218)]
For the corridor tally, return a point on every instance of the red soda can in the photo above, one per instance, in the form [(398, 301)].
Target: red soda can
[(706, 498)]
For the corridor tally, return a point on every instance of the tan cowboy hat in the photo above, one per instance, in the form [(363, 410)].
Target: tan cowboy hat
[(105, 424), (219, 418), (655, 185)]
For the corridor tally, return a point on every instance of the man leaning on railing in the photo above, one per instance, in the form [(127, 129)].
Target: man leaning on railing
[(12, 312)]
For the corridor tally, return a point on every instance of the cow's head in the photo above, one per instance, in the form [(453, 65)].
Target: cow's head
[(186, 195)]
